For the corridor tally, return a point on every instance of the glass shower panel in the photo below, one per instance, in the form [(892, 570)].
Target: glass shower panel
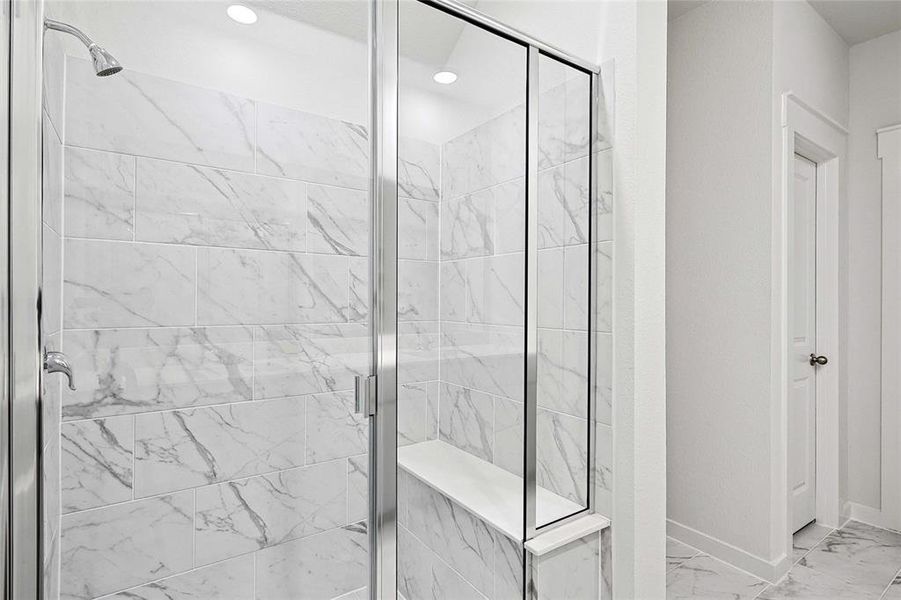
[(461, 290), (562, 446), (206, 227)]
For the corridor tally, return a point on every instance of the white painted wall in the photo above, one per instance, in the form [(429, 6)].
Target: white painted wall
[(875, 71), (729, 63)]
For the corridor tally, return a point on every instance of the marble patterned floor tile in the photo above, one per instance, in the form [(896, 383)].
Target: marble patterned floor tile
[(228, 580), (252, 286), (113, 548), (301, 145), (99, 194), (124, 371), (250, 514), (187, 448), (294, 360), (857, 554), (140, 114), (703, 577), (804, 540), (96, 462), (804, 583), (677, 553), (322, 566), (158, 291), (189, 204), (334, 429)]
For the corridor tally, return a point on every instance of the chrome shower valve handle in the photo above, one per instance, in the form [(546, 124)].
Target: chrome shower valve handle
[(57, 362)]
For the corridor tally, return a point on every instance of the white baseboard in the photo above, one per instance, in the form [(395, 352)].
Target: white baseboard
[(869, 515), (759, 567)]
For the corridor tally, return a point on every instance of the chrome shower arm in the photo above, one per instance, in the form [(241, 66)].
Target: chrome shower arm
[(66, 28)]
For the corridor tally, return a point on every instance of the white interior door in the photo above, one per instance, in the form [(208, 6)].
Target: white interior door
[(802, 327)]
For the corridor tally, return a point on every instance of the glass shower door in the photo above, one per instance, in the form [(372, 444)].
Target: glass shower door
[(205, 265)]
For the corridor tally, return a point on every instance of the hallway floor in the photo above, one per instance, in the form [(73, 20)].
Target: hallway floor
[(855, 562)]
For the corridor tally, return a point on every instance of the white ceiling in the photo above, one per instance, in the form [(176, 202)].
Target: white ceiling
[(855, 20), (860, 20)]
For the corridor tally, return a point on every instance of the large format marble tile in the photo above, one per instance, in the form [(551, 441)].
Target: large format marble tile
[(708, 578), (319, 567), (358, 488), (418, 169), (358, 294), (677, 553), (338, 220), (145, 115), (452, 285), (576, 201), (109, 549), (804, 540), (242, 516), (467, 226), (491, 153), (51, 176), (418, 344), (552, 188), (804, 583), (858, 554), (562, 455), (417, 229), (96, 462), (604, 468), (251, 286), (467, 420), (293, 360), (509, 419), (188, 204), (605, 196), (334, 429), (417, 290), (310, 147), (551, 114), (509, 203), (603, 320), (188, 448), (550, 288), (495, 290), (577, 134), (99, 194), (563, 371), (228, 580), (117, 284), (508, 567), (575, 288), (570, 572), (459, 538), (123, 371), (421, 574), (483, 358), (604, 378), (412, 412)]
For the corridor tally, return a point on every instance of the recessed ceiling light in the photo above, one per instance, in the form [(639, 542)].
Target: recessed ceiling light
[(445, 77), (242, 14)]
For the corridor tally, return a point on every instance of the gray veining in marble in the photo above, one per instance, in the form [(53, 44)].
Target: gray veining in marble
[(228, 580), (159, 289), (338, 220), (301, 145), (575, 288), (495, 289), (135, 370), (604, 469), (418, 345), (804, 583), (422, 574), (550, 288), (246, 515), (452, 299), (577, 134), (357, 488), (467, 226), (324, 566), (570, 572), (509, 434), (140, 114), (293, 360), (562, 455), (418, 169), (604, 378), (358, 294), (99, 194), (806, 538), (604, 277), (417, 229), (412, 413), (605, 196), (509, 203), (417, 290), (189, 204), (109, 549), (484, 358), (466, 420), (563, 371), (252, 286), (96, 462), (187, 448), (51, 175), (51, 280), (677, 553), (706, 577), (334, 430)]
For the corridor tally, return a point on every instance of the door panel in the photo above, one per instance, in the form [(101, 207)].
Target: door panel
[(802, 327)]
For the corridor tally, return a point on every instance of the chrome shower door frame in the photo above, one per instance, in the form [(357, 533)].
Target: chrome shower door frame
[(21, 216)]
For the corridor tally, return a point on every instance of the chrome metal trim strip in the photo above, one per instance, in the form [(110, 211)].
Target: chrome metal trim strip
[(592, 290), (25, 277), (5, 10), (383, 299), (479, 18)]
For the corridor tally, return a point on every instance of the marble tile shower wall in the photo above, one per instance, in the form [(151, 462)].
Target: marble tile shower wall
[(214, 307), (481, 304)]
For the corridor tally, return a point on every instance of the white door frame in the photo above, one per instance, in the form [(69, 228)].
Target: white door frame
[(889, 152), (812, 134)]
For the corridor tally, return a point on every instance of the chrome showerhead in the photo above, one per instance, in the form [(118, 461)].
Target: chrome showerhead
[(105, 64)]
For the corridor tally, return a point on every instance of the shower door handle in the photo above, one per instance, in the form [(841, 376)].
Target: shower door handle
[(364, 395), (57, 362)]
